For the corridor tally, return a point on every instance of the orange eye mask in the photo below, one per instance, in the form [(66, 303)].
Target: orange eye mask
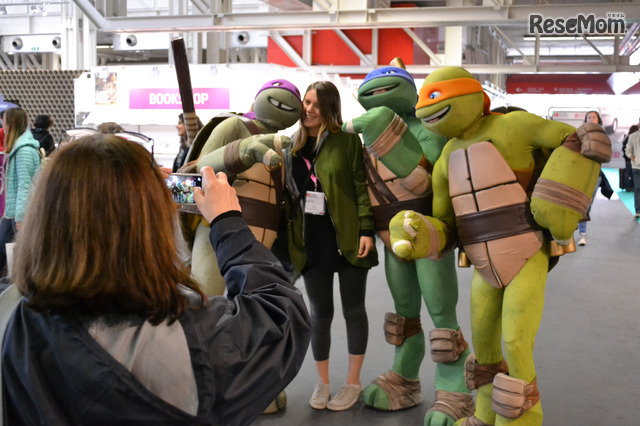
[(441, 90)]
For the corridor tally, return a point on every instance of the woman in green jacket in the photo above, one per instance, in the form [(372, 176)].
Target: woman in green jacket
[(332, 232)]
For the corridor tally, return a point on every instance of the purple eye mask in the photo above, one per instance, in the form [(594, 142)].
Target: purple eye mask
[(281, 84)]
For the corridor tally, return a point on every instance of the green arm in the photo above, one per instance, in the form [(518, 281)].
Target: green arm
[(241, 154), (386, 135)]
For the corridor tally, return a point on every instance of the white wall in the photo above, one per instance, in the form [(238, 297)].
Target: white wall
[(242, 80)]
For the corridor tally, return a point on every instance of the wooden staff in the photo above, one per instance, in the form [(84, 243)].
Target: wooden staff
[(184, 84)]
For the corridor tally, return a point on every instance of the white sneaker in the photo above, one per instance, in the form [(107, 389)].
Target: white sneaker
[(583, 240), (320, 396), (346, 397)]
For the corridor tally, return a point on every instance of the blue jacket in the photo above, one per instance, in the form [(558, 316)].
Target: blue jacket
[(244, 349), (22, 166)]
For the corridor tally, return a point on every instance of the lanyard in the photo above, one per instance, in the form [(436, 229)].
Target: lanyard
[(313, 177)]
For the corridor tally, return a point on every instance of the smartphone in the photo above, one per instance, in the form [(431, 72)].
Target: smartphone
[(181, 187)]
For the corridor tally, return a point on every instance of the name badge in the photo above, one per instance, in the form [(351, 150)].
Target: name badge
[(314, 203)]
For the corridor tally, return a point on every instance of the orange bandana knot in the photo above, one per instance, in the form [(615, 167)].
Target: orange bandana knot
[(438, 91)]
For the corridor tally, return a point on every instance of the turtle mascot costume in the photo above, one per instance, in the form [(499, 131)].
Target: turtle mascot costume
[(389, 96), (509, 190), (247, 148)]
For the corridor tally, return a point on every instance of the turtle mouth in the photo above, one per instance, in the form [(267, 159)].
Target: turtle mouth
[(433, 118), (281, 105), (378, 90)]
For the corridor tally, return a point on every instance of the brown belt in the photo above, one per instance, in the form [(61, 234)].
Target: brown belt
[(383, 213), (497, 223), (260, 213)]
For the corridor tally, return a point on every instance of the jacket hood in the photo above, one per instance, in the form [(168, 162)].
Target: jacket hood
[(26, 139)]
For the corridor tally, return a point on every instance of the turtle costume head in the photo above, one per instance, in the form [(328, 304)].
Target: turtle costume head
[(451, 101), (392, 87), (278, 104)]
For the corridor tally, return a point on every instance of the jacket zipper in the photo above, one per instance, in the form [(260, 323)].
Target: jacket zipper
[(328, 210)]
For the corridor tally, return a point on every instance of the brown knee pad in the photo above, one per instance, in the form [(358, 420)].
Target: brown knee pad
[(398, 328), (446, 344), (477, 375), (512, 397)]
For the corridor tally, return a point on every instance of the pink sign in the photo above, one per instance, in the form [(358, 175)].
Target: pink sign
[(216, 98)]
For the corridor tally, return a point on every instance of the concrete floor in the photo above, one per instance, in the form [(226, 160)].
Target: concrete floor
[(585, 352)]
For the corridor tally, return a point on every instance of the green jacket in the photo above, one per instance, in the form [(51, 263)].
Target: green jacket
[(22, 167), (340, 170)]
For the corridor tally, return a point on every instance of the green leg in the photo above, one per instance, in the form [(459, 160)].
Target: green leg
[(403, 284), (439, 285), (486, 329), (514, 315), (521, 315)]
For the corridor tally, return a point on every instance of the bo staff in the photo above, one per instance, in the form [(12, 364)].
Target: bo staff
[(184, 84)]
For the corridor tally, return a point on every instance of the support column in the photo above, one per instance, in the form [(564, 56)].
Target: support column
[(218, 42), (453, 40)]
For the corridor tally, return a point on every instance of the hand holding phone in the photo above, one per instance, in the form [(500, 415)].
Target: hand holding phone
[(181, 186), (216, 196)]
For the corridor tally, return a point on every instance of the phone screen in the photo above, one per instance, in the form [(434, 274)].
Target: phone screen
[(181, 186)]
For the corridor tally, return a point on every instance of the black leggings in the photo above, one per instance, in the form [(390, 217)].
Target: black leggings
[(318, 281)]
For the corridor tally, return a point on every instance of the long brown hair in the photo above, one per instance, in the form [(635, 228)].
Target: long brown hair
[(18, 122), (101, 235), (330, 110)]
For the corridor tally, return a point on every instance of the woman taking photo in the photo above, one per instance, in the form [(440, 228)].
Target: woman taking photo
[(22, 162), (114, 330), (332, 232)]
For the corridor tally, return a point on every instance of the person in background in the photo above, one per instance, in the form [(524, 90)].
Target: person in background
[(1, 131), (113, 329), (110, 127), (22, 162), (2, 169), (332, 231), (184, 142), (590, 117), (632, 151), (41, 125)]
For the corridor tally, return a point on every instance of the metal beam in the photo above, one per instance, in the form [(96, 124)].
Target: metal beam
[(288, 49), (502, 35), (487, 69), (369, 18), (594, 47), (200, 5), (363, 58), (5, 62), (91, 12), (423, 46)]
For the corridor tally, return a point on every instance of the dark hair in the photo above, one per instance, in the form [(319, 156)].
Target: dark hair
[(183, 138), (330, 110), (110, 127), (102, 235), (597, 115), (42, 121), (18, 122)]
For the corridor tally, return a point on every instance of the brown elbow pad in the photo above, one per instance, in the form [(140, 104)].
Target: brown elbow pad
[(594, 142)]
